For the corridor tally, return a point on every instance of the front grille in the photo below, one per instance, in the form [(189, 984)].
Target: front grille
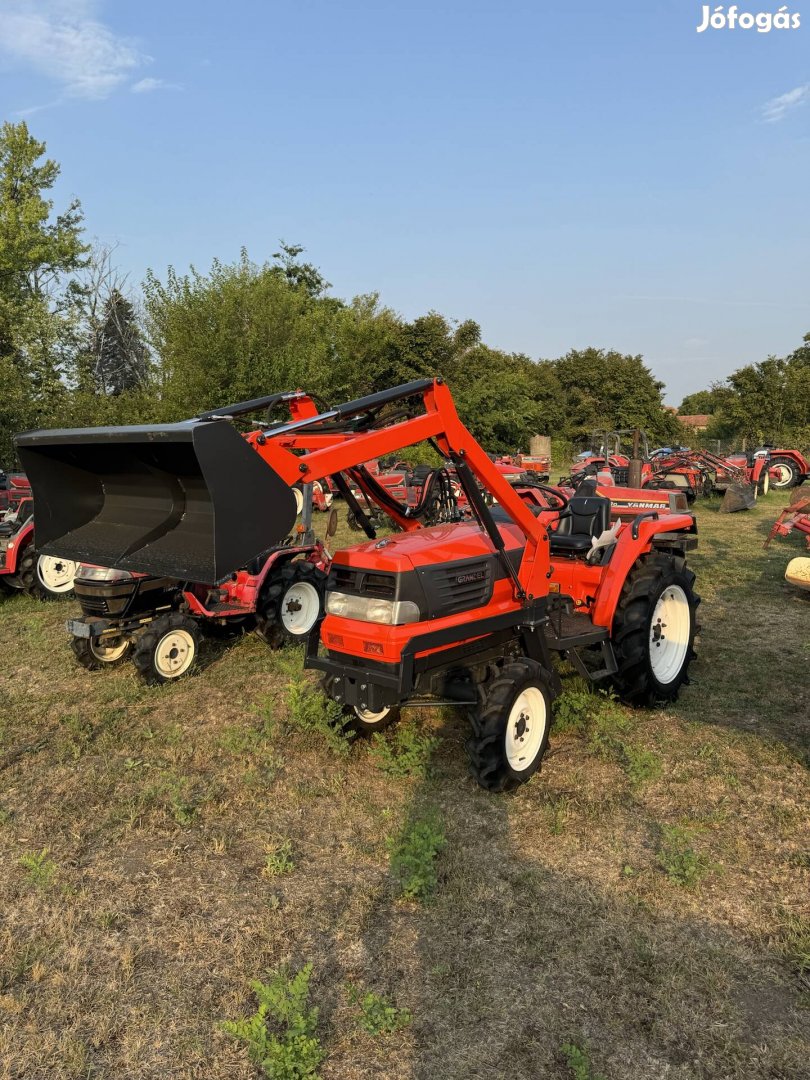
[(621, 477), (458, 587), (93, 605), (346, 579)]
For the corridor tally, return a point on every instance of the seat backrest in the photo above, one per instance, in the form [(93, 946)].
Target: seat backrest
[(587, 515)]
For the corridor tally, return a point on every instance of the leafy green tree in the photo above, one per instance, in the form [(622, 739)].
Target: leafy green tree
[(604, 389), (39, 253)]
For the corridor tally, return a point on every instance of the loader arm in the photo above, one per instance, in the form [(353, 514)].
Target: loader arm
[(339, 452), (196, 500)]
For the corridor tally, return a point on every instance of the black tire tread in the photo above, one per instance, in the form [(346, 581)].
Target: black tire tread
[(146, 641), (633, 682), (269, 626), (485, 746), (794, 472)]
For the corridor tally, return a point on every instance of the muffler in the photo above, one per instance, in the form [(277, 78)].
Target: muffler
[(192, 501)]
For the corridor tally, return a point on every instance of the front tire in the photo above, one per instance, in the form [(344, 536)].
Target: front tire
[(358, 720), (167, 649), (292, 603), (93, 654), (510, 728), (654, 630), (764, 482)]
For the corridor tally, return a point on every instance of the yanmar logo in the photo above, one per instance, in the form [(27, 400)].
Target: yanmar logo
[(763, 21), (475, 575)]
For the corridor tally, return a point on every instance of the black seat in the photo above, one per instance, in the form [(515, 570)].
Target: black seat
[(585, 517)]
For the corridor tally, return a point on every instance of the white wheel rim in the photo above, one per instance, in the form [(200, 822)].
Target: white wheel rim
[(299, 501), (783, 475), (369, 717), (669, 634), (526, 728), (766, 481), (108, 653), (56, 574), (174, 654), (300, 607)]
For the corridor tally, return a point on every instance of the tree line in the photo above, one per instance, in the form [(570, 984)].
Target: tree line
[(79, 346), (764, 402)]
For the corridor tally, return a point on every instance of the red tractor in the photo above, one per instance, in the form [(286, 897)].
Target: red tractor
[(48, 577), (467, 614)]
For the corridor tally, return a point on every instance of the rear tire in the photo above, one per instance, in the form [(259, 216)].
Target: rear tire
[(292, 603), (94, 656), (788, 475), (510, 728), (167, 649), (657, 596)]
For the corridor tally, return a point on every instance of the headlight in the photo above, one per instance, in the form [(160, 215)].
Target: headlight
[(107, 574), (368, 609)]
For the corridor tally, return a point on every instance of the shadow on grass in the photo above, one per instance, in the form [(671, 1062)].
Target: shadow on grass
[(513, 959)]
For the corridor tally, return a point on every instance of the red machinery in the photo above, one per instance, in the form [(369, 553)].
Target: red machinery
[(788, 468), (158, 621), (795, 516), (740, 477), (21, 568), (468, 613)]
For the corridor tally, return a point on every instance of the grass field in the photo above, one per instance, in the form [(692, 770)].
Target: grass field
[(640, 909)]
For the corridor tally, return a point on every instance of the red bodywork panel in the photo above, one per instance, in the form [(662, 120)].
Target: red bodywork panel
[(240, 595), (595, 590)]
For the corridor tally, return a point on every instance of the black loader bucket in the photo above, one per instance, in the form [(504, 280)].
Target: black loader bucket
[(737, 497), (191, 501)]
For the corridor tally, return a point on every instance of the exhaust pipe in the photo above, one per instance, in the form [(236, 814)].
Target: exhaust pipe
[(191, 501)]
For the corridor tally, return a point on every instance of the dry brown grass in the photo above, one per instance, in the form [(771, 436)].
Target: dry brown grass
[(553, 923)]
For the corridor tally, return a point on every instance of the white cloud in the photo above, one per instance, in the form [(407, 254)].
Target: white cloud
[(65, 42), (777, 107), (146, 86)]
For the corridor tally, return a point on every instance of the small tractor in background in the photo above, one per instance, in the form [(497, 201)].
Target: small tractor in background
[(466, 613), (158, 622), (46, 577), (740, 477)]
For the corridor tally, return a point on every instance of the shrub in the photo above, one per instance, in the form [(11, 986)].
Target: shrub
[(406, 753), (377, 1015), (413, 857), (293, 1052)]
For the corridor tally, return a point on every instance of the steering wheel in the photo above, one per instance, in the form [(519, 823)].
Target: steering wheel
[(560, 499)]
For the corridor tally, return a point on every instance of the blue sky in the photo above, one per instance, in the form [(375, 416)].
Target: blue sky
[(567, 174)]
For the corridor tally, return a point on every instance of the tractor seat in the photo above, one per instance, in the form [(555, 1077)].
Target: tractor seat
[(585, 517)]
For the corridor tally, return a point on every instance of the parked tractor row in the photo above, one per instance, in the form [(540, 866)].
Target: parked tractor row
[(182, 530)]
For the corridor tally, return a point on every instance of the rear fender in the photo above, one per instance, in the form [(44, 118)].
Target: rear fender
[(626, 554)]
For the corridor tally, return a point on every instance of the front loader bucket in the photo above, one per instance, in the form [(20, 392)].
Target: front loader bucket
[(191, 501), (738, 497)]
